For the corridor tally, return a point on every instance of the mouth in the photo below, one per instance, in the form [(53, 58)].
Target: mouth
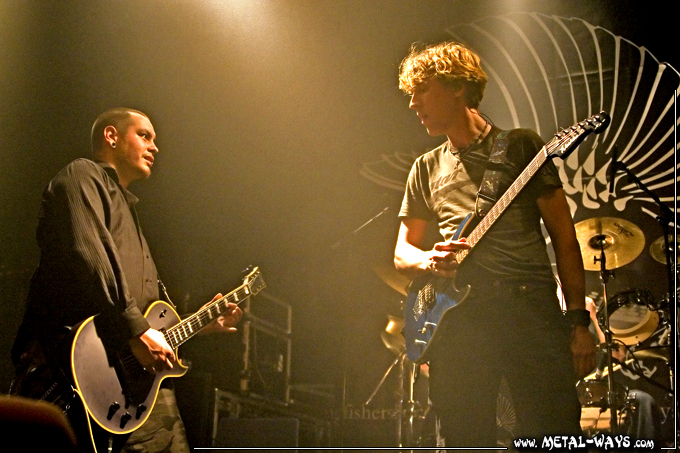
[(149, 159)]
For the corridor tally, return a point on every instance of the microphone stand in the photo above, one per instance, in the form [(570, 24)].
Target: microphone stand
[(400, 392), (361, 227), (665, 219)]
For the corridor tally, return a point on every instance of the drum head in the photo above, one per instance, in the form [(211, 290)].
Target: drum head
[(632, 318)]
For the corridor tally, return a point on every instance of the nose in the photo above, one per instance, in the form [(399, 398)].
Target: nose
[(413, 103), (153, 148)]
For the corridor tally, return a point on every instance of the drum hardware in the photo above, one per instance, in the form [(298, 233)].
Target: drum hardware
[(407, 409), (657, 249), (594, 393), (666, 220), (617, 240), (633, 316)]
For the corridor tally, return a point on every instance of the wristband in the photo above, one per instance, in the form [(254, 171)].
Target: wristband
[(578, 317)]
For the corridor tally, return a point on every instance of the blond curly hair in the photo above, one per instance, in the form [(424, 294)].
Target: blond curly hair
[(452, 62)]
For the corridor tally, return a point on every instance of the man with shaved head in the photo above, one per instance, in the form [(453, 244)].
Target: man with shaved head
[(95, 261)]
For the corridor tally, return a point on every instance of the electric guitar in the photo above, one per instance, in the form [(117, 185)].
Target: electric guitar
[(430, 299), (115, 390)]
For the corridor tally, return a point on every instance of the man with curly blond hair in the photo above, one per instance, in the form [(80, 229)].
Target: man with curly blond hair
[(510, 325)]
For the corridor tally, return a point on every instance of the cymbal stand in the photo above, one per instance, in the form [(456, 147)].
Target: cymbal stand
[(404, 438), (411, 405), (400, 392), (604, 276)]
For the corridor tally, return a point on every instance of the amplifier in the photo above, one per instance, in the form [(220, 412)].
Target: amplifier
[(255, 360), (266, 423), (266, 361)]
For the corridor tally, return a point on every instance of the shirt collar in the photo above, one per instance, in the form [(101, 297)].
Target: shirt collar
[(111, 172)]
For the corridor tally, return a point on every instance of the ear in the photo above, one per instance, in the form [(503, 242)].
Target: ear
[(110, 136), (459, 90)]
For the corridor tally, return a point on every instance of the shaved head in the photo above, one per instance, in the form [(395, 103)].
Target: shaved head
[(120, 118)]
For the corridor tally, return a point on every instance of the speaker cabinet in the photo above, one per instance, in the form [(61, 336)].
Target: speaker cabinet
[(235, 433)]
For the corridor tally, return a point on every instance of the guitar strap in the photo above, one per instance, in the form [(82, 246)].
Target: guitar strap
[(488, 190), (165, 293)]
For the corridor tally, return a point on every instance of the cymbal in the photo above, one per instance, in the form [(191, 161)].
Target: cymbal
[(655, 352), (392, 337), (657, 249), (394, 325), (393, 343), (605, 371), (621, 240), (389, 275)]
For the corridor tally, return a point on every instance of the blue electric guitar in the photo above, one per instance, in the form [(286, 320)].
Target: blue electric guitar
[(431, 299)]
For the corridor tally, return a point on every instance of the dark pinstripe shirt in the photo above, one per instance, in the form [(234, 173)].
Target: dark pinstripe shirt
[(94, 258)]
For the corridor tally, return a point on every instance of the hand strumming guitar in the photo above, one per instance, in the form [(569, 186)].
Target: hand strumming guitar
[(153, 351), (442, 261)]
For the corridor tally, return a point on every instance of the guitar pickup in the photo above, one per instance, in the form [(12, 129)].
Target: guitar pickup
[(420, 342)]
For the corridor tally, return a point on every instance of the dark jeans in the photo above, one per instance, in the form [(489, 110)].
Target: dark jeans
[(516, 332)]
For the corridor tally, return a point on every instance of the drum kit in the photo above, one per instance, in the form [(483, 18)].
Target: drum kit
[(636, 330), (635, 356), (411, 406)]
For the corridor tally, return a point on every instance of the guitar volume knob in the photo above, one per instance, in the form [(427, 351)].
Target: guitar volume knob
[(113, 408), (124, 419), (140, 410)]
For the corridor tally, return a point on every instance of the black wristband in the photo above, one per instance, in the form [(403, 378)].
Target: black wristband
[(578, 317)]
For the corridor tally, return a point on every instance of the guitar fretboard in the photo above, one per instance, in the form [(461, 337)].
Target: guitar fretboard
[(186, 329), (559, 144)]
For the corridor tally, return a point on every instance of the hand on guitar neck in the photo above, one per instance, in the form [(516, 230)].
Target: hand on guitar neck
[(153, 351), (442, 260), (226, 322), (155, 354)]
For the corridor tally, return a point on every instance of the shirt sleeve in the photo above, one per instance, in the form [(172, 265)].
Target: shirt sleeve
[(77, 232), (414, 204)]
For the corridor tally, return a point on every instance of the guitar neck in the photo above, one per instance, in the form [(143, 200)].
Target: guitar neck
[(522, 180), (186, 329)]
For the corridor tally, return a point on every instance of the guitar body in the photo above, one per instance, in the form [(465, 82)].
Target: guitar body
[(117, 392), (425, 321), (113, 388)]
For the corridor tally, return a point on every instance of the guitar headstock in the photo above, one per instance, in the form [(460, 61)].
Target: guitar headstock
[(254, 280), (566, 140)]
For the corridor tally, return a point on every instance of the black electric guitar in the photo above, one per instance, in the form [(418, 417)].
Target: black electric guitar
[(116, 391), (430, 299)]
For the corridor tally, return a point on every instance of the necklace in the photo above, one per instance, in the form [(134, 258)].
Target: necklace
[(463, 151)]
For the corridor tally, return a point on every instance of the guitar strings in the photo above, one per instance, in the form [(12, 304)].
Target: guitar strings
[(561, 138), (178, 334)]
